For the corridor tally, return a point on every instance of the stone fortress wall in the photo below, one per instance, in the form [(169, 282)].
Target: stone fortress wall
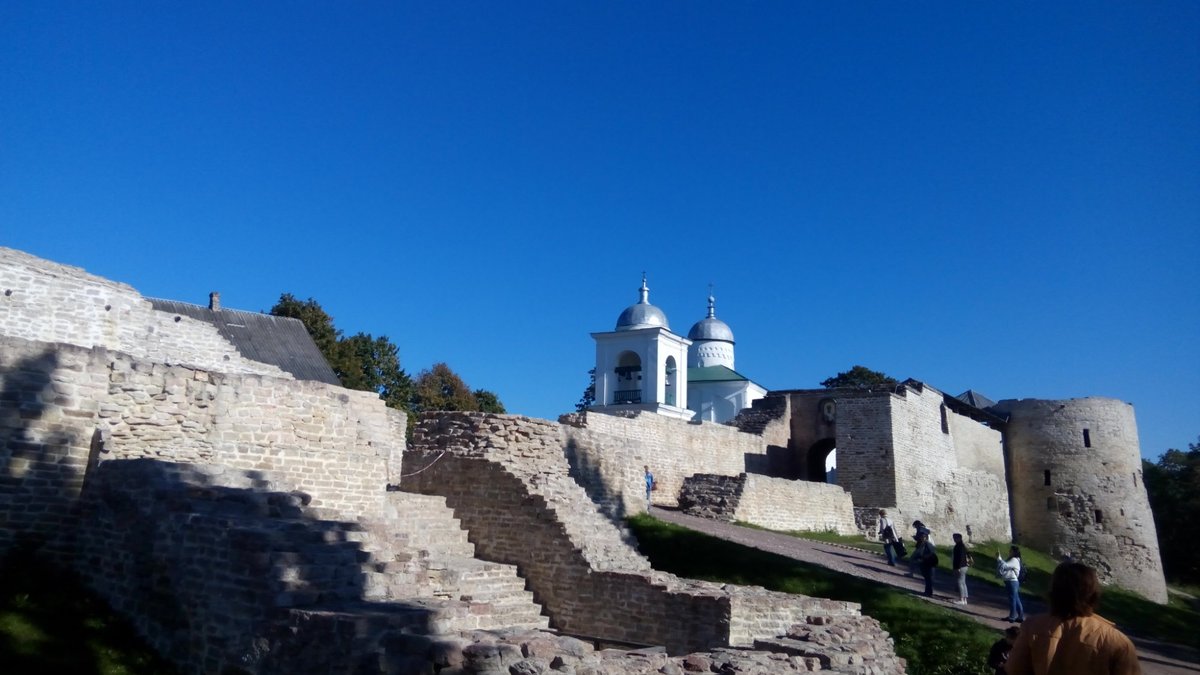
[(901, 449), (1076, 474), (242, 518)]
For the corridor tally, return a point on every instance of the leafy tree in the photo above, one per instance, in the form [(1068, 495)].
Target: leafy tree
[(589, 394), (440, 388), (488, 402), (859, 377), (373, 364), (318, 323), (1173, 487)]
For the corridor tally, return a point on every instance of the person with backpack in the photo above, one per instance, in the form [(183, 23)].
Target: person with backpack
[(926, 557), (1011, 572), (915, 562), (887, 534)]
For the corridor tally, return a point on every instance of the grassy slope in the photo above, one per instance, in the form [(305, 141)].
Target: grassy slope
[(933, 640), (1175, 622), (50, 624)]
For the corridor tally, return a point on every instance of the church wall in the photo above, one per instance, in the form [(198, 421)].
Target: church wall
[(48, 302), (608, 452)]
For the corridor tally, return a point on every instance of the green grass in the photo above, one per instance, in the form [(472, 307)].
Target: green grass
[(1174, 622), (50, 624), (934, 640)]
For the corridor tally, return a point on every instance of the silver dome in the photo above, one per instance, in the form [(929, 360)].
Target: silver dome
[(710, 327), (643, 314)]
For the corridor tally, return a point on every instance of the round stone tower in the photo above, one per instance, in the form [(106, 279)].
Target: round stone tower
[(1075, 478)]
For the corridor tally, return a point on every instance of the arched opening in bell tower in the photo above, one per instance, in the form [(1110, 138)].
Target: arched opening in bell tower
[(629, 378), (670, 388)]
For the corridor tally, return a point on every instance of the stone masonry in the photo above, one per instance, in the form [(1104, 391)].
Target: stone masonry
[(507, 479), (773, 503)]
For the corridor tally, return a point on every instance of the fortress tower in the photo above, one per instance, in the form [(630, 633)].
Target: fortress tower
[(1075, 478)]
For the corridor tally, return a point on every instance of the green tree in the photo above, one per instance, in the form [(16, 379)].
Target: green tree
[(440, 388), (318, 323), (373, 364), (859, 377), (488, 402), (588, 399), (1173, 487)]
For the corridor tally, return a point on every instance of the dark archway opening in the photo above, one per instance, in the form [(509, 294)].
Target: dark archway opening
[(814, 461)]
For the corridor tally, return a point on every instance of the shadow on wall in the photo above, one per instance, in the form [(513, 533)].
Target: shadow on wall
[(590, 477), (213, 569), (38, 480)]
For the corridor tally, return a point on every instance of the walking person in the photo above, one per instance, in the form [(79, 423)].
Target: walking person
[(1010, 571), (927, 559), (1072, 638), (914, 563), (887, 534), (961, 563), (649, 484)]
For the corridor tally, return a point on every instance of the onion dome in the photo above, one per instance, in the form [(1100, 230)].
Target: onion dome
[(710, 327), (643, 314)]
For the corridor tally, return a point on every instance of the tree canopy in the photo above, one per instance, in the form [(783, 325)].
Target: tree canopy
[(1173, 487), (859, 377), (588, 399), (368, 363)]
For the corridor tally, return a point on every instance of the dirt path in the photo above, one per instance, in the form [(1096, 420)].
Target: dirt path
[(987, 604)]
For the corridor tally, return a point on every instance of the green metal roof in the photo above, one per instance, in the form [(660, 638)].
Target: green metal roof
[(715, 374)]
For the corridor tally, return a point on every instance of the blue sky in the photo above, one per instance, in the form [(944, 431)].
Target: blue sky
[(1001, 197)]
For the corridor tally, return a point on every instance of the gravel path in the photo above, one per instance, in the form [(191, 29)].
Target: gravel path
[(987, 604)]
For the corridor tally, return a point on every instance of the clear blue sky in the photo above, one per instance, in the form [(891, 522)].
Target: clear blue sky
[(1001, 196)]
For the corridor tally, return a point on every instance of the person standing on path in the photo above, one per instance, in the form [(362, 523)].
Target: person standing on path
[(1072, 638), (915, 562), (887, 534), (961, 563), (927, 558), (649, 483), (1010, 571)]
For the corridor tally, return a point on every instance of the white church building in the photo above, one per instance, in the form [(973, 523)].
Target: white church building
[(642, 365)]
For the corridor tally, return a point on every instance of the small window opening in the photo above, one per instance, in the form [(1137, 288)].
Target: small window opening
[(1099, 516), (1046, 479), (945, 420), (1087, 438), (1051, 504), (1134, 479)]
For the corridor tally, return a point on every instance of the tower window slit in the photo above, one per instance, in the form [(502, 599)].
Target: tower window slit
[(1099, 516), (1087, 438), (1046, 479)]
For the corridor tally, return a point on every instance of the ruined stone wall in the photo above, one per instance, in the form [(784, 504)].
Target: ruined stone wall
[(931, 485), (64, 407), (44, 301), (866, 456), (774, 503), (608, 452), (1076, 476), (509, 482), (782, 504)]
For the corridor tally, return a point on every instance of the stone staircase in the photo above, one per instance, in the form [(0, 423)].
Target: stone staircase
[(419, 551)]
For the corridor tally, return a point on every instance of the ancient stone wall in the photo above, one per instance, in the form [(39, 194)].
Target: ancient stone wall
[(1076, 476), (607, 453), (931, 485), (508, 481), (63, 408), (47, 302), (773, 503)]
